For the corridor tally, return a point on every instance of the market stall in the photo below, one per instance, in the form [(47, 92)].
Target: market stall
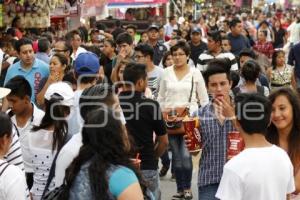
[(33, 13)]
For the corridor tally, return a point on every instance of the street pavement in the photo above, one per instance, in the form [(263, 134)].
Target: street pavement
[(168, 187)]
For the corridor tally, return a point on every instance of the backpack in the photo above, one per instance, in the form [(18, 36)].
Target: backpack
[(260, 90)]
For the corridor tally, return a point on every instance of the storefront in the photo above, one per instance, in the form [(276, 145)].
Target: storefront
[(136, 9)]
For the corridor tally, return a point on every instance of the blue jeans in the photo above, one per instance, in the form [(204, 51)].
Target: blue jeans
[(152, 179), (165, 160), (182, 162), (208, 192)]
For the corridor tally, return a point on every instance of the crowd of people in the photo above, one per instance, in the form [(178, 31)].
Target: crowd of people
[(84, 115)]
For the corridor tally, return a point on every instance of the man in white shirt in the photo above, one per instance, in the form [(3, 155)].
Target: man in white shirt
[(262, 170), (294, 31), (172, 25), (76, 40), (24, 115)]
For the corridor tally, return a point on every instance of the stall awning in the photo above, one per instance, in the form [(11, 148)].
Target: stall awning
[(135, 3)]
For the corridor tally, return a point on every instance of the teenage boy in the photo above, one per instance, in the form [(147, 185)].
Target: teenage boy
[(214, 45), (262, 170), (14, 154), (237, 40), (216, 122), (24, 114), (144, 55), (125, 48), (86, 72), (143, 118)]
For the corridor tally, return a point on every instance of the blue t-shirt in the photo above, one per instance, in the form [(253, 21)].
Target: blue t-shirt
[(119, 179), (238, 43), (34, 75)]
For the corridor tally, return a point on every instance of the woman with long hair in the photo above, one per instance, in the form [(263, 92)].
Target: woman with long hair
[(103, 169), (280, 75), (49, 137), (284, 130)]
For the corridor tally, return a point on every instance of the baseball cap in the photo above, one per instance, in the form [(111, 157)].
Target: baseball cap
[(61, 91), (87, 63), (196, 30), (4, 92), (153, 26)]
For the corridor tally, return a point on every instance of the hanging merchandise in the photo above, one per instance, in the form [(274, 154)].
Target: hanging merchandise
[(33, 13), (1, 15)]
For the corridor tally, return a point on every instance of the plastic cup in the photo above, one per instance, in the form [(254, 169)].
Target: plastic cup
[(235, 143)]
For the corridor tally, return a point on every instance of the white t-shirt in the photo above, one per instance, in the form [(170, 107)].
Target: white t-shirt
[(75, 120), (12, 182), (24, 131), (65, 158), (257, 174), (79, 51), (169, 29), (294, 30)]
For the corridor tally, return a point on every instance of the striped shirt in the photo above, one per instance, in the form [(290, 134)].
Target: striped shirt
[(12, 182), (206, 57), (14, 155), (214, 145), (154, 79)]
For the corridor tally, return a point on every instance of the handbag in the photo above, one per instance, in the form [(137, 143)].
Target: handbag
[(174, 116)]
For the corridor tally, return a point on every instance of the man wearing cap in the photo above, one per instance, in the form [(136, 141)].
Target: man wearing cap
[(196, 44), (86, 70), (214, 51), (159, 48)]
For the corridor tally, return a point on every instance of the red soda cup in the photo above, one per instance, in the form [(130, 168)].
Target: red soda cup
[(194, 137), (235, 144)]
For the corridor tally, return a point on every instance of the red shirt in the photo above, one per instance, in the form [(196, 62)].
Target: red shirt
[(19, 34), (264, 48)]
